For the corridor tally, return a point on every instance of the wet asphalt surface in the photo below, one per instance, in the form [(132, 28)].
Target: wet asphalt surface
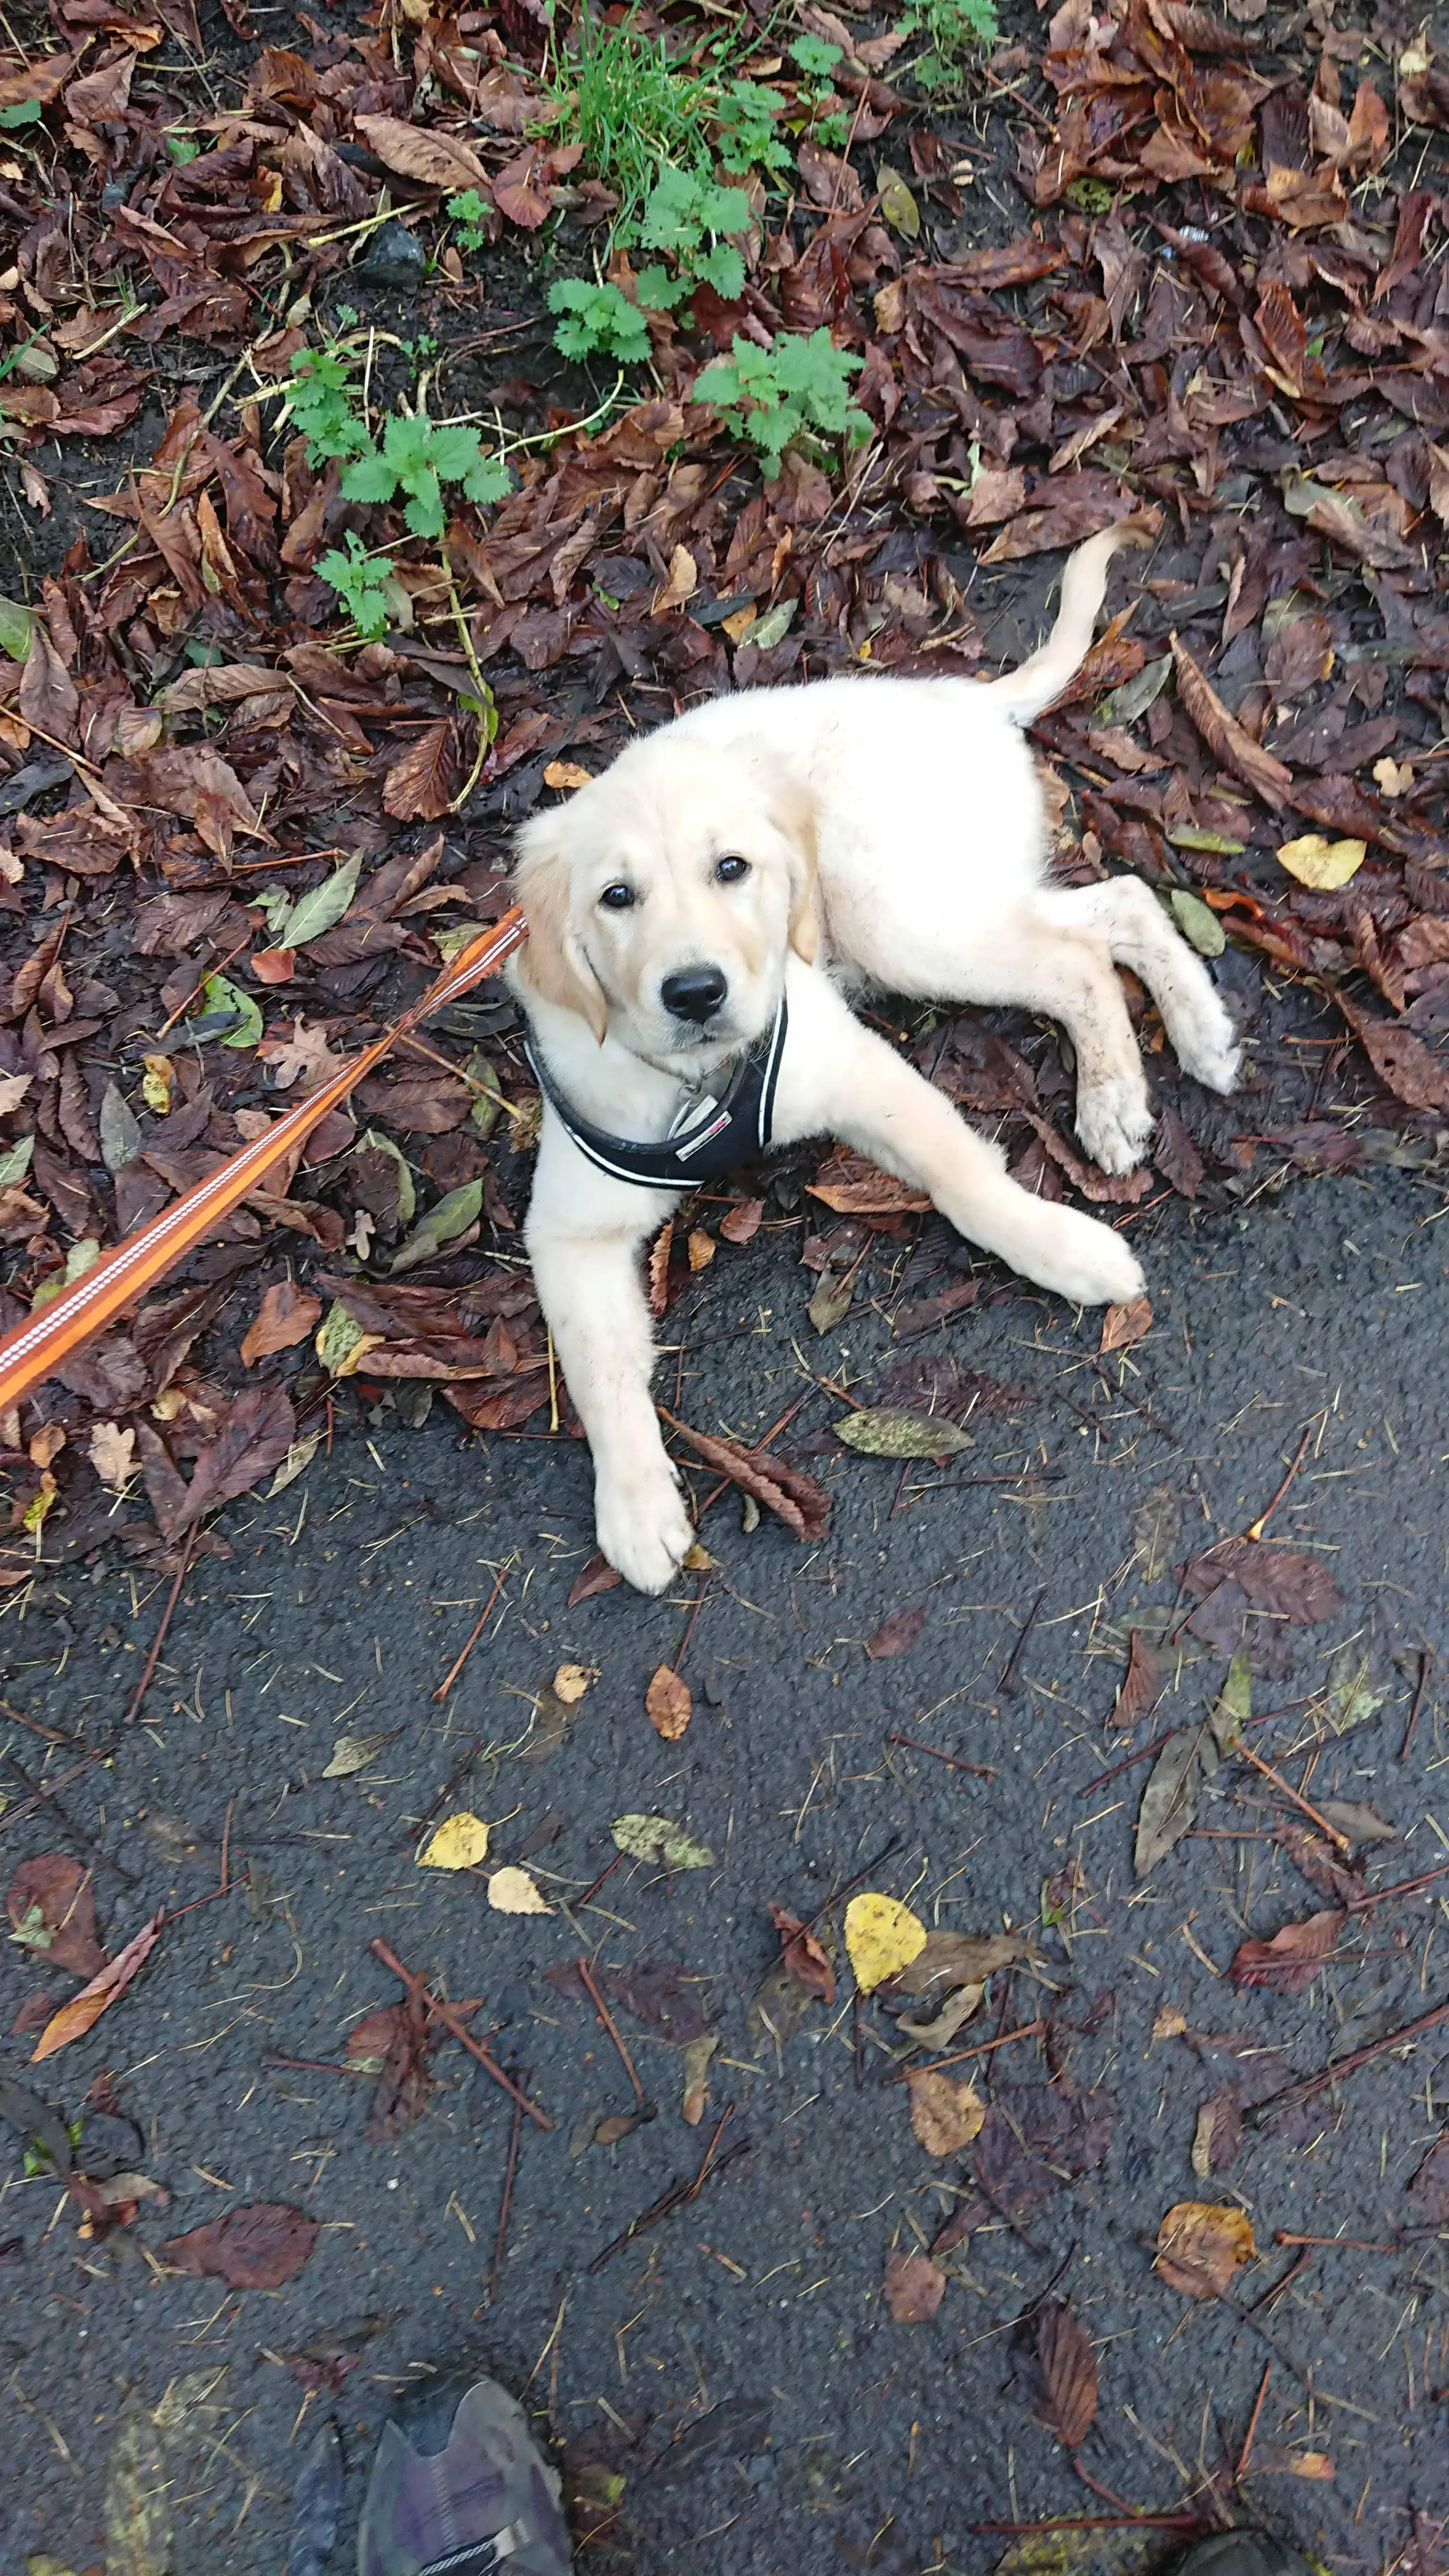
[(848, 2440)]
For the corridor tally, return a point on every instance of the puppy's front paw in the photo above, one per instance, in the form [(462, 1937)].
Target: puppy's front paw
[(1085, 1261), (1114, 1122), (643, 1527)]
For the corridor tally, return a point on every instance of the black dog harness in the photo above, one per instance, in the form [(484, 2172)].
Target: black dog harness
[(709, 1137)]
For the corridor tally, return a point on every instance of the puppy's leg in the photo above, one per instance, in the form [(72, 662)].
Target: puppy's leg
[(1123, 912), (1039, 964), (591, 1291), (881, 1105)]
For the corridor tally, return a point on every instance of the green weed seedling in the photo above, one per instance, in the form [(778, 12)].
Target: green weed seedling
[(418, 456), (797, 389), (817, 60), (954, 29), (681, 209), (320, 396), (470, 214), (746, 120), (598, 320), (361, 582)]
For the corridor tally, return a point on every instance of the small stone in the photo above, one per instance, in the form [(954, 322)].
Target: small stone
[(395, 257)]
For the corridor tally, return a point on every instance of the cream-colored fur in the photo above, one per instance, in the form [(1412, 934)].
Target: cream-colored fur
[(893, 834)]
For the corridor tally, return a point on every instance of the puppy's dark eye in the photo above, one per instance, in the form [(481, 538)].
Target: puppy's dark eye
[(617, 898), (731, 871)]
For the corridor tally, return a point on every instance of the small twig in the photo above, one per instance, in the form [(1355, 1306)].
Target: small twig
[(1402, 1887), (689, 1627), (159, 1640), (460, 2031), (226, 1846), (1294, 2095), (1279, 1783), (500, 2240), (317, 2065), (606, 2017), (591, 1892), (1007, 1682), (1354, 2244), (446, 1684), (1146, 1751), (954, 1759), (1426, 1663), (831, 1902), (678, 2194), (1260, 1524), (983, 2048), (1246, 2453)]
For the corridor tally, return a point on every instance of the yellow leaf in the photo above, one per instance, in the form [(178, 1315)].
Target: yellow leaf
[(1396, 778), (565, 774), (571, 1681), (1200, 2245), (701, 1249), (1325, 864), (740, 623), (512, 1891), (696, 2075), (156, 1083), (459, 1843), (882, 1937), (1170, 2022), (669, 1705), (897, 203), (1311, 2464), (945, 2116)]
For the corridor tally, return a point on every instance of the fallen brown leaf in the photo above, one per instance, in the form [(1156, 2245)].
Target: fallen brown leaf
[(85, 2009), (668, 1704), (914, 2288), (1200, 2246), (254, 2248), (945, 2116)]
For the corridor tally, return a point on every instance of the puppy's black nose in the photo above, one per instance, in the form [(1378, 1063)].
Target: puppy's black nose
[(693, 992)]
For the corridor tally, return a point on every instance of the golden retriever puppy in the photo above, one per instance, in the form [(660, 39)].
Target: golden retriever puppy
[(697, 916)]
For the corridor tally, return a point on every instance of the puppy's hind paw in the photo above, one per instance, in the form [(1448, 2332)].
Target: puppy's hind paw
[(1114, 1122), (643, 1527), (1209, 1051)]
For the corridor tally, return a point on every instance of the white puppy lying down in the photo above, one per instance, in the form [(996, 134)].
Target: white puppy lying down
[(711, 894)]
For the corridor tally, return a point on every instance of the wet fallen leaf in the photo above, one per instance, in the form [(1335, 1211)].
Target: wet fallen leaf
[(1141, 1684), (879, 1433), (52, 1908), (945, 2116), (1067, 2372), (914, 2288), (512, 1891), (696, 2076), (882, 1936), (1412, 1071), (618, 2125), (897, 1634), (1169, 1801), (960, 1959), (85, 2009), (657, 1838), (794, 1497), (439, 160), (1218, 2135), (803, 1957), (352, 1753), (597, 1576), (938, 2032), (1427, 2196), (459, 1842), (1358, 1823), (1197, 922), (1200, 2246), (1225, 737), (1323, 864), (565, 775), (257, 2247), (1168, 2022), (897, 203), (668, 1704), (571, 1681), (285, 1317), (1292, 1959), (1123, 1325), (742, 1223), (112, 1453)]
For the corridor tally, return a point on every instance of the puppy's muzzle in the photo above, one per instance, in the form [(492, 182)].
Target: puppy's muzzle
[(694, 993)]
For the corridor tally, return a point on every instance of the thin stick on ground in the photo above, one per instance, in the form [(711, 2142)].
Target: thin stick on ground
[(1007, 1683), (459, 2030), (954, 1759), (500, 2241), (1256, 1529), (1287, 1791), (606, 2017), (159, 1640), (678, 2193), (983, 2048), (1246, 2453), (1292, 2095), (446, 1684), (1426, 1666)]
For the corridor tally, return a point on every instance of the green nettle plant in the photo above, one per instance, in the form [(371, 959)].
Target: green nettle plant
[(953, 29), (798, 388), (418, 456), (598, 321), (363, 584)]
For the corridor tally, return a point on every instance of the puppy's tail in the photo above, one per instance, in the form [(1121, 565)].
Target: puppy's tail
[(1023, 693)]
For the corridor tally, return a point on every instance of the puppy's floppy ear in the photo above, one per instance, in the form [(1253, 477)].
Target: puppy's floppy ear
[(792, 809), (551, 962)]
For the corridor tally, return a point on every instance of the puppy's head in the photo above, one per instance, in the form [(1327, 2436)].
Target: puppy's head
[(662, 899)]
